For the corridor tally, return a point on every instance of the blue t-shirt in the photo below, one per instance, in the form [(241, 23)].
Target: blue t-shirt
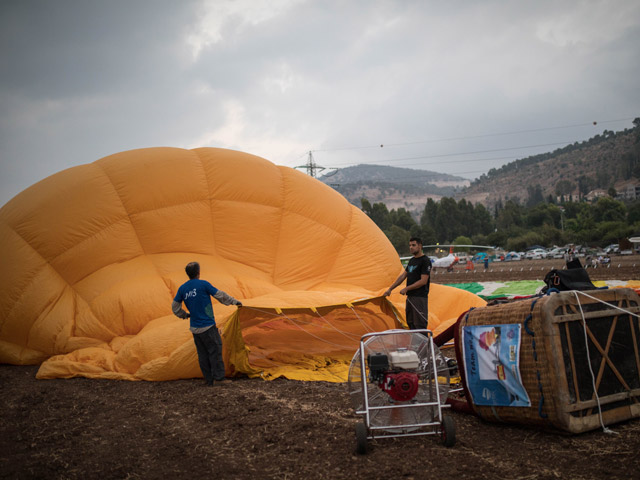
[(196, 295)]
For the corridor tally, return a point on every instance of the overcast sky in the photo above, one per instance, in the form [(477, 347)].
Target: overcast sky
[(443, 85)]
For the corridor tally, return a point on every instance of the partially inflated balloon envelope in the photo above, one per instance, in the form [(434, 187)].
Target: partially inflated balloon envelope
[(93, 256)]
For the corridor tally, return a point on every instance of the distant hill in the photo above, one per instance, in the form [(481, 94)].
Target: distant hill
[(611, 159), (396, 187), (604, 161)]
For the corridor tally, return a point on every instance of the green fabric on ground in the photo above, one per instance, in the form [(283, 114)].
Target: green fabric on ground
[(522, 287), (487, 291), (473, 287)]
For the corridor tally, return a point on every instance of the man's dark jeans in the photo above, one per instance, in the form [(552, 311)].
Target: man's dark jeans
[(417, 312), (209, 348)]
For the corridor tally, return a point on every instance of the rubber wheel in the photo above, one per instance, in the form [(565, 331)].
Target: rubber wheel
[(361, 438), (448, 431)]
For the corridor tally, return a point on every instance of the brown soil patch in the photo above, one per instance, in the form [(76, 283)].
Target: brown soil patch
[(252, 429), (623, 267)]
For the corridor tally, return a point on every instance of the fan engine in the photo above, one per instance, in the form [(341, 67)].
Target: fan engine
[(395, 374)]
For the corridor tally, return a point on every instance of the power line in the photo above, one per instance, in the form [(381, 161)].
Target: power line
[(459, 153), (449, 155), (468, 137), (486, 159)]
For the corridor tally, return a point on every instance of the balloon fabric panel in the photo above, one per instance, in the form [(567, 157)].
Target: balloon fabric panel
[(93, 256)]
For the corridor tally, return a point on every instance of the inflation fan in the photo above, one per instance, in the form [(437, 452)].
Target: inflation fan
[(399, 382)]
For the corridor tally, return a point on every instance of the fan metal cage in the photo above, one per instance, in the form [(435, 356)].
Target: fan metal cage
[(382, 412)]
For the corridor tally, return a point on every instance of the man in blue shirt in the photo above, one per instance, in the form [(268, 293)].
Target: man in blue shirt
[(196, 295)]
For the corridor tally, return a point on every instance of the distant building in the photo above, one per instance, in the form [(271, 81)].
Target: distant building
[(571, 197), (595, 194), (632, 192)]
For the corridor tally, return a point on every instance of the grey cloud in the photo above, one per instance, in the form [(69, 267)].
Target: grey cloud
[(80, 80), (66, 48)]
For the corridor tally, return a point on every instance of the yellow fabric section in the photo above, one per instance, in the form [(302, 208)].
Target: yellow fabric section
[(314, 343), (93, 256)]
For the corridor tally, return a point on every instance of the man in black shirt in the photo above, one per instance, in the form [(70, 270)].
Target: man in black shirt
[(417, 273)]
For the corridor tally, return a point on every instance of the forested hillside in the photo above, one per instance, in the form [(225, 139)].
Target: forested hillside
[(607, 162), (396, 187), (539, 200), (510, 226), (396, 175)]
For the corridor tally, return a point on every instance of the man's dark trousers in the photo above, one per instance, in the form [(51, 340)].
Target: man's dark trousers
[(209, 348), (417, 312)]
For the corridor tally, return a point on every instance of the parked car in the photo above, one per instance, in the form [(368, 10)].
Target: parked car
[(536, 254), (581, 251), (557, 252), (498, 256), (613, 248)]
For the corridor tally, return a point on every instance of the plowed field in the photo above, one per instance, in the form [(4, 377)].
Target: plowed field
[(621, 268), (252, 429)]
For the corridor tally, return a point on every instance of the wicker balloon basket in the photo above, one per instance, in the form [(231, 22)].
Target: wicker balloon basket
[(578, 358)]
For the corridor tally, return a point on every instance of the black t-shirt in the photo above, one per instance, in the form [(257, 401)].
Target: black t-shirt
[(415, 269)]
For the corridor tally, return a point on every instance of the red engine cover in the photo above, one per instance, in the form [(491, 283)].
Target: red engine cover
[(401, 386)]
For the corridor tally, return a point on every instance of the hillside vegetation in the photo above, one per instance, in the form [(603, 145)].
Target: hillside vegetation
[(540, 200), (396, 187), (510, 226), (607, 161)]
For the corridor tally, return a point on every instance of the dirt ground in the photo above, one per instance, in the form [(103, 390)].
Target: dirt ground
[(622, 267), (252, 429)]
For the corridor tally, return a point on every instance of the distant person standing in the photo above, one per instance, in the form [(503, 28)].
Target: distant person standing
[(196, 295), (569, 255), (486, 262), (417, 273)]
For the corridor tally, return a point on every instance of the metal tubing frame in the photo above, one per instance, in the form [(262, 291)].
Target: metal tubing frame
[(365, 393)]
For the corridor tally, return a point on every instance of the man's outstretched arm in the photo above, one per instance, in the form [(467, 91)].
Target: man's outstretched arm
[(226, 299), (398, 281)]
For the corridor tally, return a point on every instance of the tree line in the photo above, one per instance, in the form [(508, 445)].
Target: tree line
[(510, 225)]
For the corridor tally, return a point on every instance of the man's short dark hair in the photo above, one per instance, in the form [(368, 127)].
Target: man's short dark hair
[(415, 239), (192, 269)]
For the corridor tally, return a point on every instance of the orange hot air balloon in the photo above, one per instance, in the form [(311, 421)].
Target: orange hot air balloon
[(92, 257)]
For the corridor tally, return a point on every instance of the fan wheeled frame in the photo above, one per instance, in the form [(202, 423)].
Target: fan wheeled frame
[(386, 417)]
